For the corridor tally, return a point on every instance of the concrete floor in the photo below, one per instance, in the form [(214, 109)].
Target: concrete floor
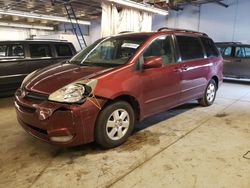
[(189, 146)]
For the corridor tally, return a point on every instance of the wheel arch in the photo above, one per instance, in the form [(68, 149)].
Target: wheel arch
[(129, 99), (216, 79)]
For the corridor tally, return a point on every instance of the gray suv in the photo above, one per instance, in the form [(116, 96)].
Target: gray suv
[(19, 58), (236, 59)]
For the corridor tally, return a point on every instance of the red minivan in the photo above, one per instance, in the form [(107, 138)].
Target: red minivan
[(102, 91)]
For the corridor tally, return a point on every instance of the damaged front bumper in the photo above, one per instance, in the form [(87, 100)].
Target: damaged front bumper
[(59, 124)]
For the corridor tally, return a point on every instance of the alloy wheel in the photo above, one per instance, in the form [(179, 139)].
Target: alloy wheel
[(117, 124), (211, 90)]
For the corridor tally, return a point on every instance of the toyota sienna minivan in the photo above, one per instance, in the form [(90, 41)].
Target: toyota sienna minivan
[(105, 89)]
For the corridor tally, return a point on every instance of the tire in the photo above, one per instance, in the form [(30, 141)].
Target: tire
[(114, 124), (209, 95)]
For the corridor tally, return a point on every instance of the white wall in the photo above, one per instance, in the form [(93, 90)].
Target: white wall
[(8, 33), (95, 30), (220, 23), (66, 36)]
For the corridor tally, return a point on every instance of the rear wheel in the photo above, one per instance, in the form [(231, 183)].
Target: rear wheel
[(209, 95), (114, 124)]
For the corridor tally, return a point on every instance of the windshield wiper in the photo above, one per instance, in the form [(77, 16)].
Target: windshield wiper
[(74, 62), (87, 63)]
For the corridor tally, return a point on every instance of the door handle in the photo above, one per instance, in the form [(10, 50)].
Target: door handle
[(184, 67), (238, 60)]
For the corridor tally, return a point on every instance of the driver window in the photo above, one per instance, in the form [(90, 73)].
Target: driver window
[(160, 47)]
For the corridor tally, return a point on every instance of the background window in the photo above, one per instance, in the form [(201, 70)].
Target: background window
[(40, 50), (3, 50), (190, 47), (242, 51), (161, 47), (63, 50), (210, 47), (247, 51), (16, 50), (12, 51), (239, 52), (227, 51)]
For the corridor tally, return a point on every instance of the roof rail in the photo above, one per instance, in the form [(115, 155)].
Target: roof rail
[(181, 30), (228, 42), (40, 39)]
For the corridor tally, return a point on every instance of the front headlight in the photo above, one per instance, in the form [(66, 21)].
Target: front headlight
[(75, 92)]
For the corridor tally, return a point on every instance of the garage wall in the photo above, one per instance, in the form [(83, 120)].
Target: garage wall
[(222, 24), (7, 33), (95, 30)]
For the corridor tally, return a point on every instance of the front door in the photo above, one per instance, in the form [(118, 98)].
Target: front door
[(228, 54), (161, 89), (242, 62)]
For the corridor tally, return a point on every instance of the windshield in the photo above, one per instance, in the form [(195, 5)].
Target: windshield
[(112, 51)]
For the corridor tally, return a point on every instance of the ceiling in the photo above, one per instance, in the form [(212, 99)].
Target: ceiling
[(84, 9)]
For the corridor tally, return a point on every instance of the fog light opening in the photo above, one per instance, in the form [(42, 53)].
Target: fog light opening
[(61, 138)]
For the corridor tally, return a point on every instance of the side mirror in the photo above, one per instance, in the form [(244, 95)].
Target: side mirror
[(152, 62)]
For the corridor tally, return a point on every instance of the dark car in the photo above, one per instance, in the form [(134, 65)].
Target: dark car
[(19, 58), (102, 91), (237, 59)]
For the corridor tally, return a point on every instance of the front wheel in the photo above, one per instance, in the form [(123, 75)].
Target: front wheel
[(114, 124), (209, 95)]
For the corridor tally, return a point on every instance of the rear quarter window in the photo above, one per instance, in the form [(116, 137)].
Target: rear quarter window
[(210, 47), (40, 50), (63, 50), (190, 47)]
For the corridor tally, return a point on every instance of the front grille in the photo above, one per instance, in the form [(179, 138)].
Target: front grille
[(36, 96), (38, 129)]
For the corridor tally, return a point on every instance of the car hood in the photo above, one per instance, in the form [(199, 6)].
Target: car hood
[(52, 78)]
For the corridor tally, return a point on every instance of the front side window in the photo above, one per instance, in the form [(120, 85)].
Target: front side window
[(110, 52), (210, 47), (161, 47), (40, 50), (190, 47)]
